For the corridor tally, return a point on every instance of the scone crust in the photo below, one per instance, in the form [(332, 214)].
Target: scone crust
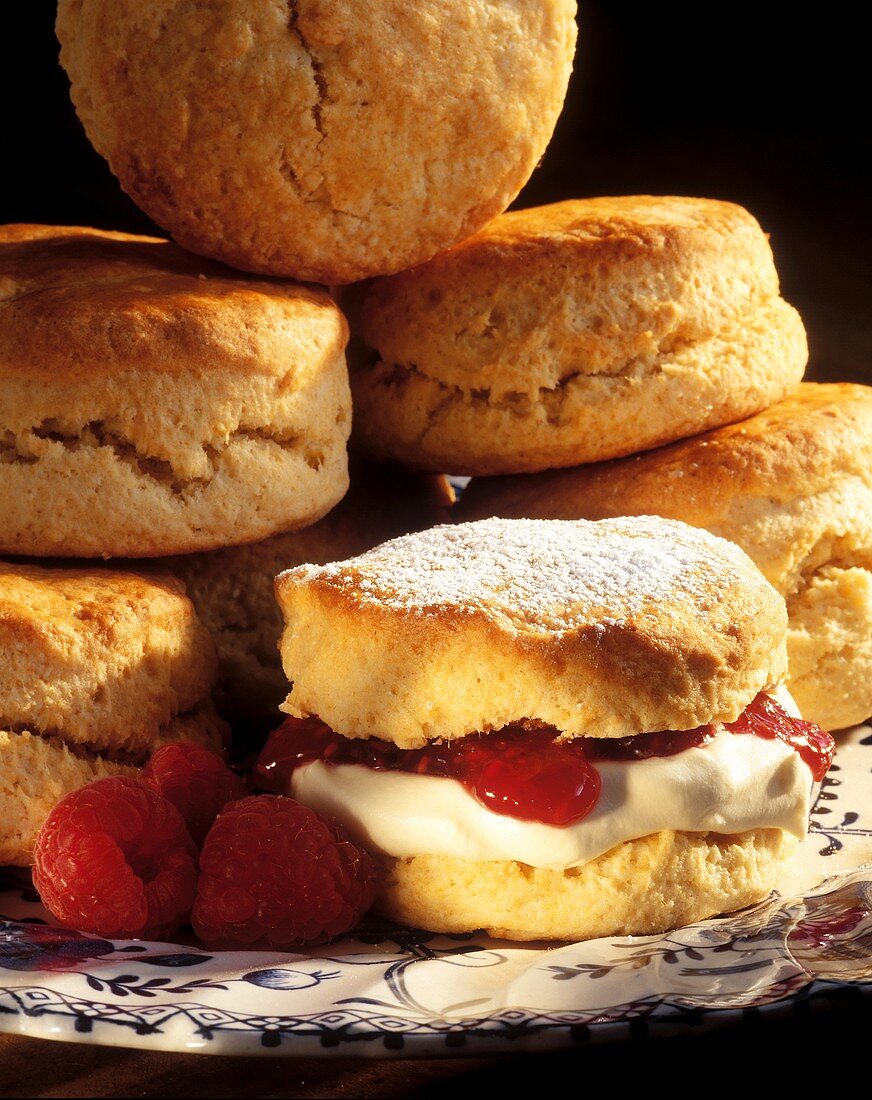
[(603, 630), (572, 333), (152, 402), (829, 644), (37, 772), (233, 589), (642, 887), (100, 658), (320, 139), (792, 486)]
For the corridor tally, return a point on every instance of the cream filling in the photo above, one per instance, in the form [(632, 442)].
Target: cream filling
[(734, 783)]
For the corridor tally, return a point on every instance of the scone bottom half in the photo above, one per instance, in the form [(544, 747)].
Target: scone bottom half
[(669, 781)]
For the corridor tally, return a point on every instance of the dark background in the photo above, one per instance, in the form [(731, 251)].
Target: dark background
[(751, 102)]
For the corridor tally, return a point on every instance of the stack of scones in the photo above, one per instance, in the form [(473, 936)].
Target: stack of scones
[(176, 417)]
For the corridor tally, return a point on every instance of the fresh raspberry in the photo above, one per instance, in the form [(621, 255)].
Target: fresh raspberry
[(197, 782), (275, 873), (114, 858)]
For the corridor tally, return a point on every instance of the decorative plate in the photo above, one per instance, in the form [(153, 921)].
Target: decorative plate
[(392, 991)]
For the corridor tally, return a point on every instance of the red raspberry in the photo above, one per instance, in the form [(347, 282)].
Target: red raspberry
[(114, 858), (275, 873), (197, 782)]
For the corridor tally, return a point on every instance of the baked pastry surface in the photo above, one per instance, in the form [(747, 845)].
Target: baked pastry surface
[(572, 333), (153, 403), (99, 668), (321, 139), (599, 629), (792, 486), (233, 589)]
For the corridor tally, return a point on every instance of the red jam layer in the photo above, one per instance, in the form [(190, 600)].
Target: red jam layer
[(525, 773), (765, 718)]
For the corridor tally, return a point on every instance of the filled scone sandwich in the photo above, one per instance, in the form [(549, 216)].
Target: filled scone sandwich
[(549, 729)]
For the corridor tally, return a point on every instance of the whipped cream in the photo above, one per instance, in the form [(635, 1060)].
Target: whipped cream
[(734, 783)]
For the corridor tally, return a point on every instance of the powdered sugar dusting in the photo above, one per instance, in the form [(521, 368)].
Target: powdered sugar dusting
[(550, 573)]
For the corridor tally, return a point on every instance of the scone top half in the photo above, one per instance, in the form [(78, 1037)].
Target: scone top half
[(186, 405), (603, 629)]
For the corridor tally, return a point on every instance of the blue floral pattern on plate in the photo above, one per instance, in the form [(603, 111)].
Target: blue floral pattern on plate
[(393, 991)]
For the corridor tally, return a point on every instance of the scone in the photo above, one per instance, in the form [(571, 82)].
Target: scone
[(154, 403), (793, 487), (98, 669), (233, 589), (550, 730), (572, 333), (319, 139)]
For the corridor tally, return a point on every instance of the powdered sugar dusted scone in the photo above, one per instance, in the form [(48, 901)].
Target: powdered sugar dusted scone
[(154, 403), (549, 729), (601, 630), (233, 589), (322, 139), (792, 486), (572, 333), (98, 669)]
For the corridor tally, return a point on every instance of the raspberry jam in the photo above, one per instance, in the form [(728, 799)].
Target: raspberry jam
[(525, 773), (517, 772), (765, 718)]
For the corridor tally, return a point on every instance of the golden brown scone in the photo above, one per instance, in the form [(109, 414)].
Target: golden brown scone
[(641, 887), (99, 668), (792, 486), (37, 771), (233, 589), (155, 403), (101, 658), (572, 333), (321, 139), (601, 630), (35, 774)]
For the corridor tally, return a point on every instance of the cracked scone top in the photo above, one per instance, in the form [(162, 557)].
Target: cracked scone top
[(575, 332), (320, 139), (599, 629), (153, 403)]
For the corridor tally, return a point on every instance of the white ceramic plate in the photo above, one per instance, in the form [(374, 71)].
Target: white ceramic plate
[(390, 991)]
